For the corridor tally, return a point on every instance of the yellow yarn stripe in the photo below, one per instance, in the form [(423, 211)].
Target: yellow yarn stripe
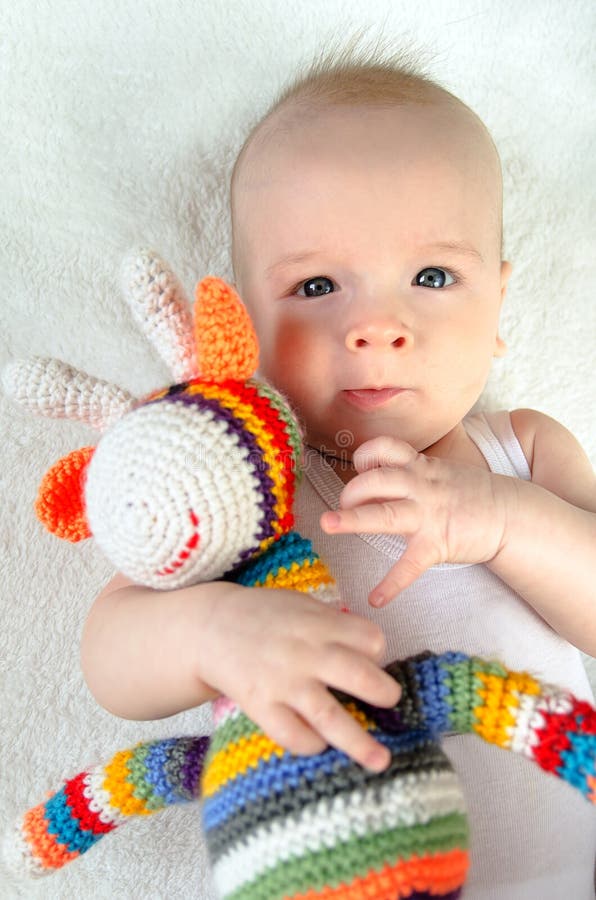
[(120, 789), (244, 754), (497, 717), (305, 576), (259, 431)]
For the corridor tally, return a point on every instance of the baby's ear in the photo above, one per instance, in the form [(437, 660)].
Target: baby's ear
[(500, 347), (60, 504), (226, 342), (506, 270)]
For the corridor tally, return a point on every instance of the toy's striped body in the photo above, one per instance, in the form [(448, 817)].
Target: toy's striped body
[(278, 825)]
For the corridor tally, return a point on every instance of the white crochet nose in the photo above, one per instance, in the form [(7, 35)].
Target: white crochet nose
[(171, 497), (137, 519)]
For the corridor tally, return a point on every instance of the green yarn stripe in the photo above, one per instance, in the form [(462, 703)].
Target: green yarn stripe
[(240, 726), (464, 686), (356, 858), (294, 436), (143, 789)]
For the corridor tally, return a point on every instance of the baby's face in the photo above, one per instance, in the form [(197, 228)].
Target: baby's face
[(367, 249)]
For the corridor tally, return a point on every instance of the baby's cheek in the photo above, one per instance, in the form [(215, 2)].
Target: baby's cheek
[(295, 357)]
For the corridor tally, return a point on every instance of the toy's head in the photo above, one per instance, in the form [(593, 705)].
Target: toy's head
[(194, 479)]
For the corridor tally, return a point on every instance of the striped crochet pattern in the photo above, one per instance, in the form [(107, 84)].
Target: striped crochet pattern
[(195, 481), (283, 826)]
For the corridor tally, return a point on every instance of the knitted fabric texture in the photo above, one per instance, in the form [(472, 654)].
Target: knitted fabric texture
[(59, 504), (161, 309), (281, 826), (49, 387), (194, 481)]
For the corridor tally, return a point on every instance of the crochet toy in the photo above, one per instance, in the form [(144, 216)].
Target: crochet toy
[(194, 483)]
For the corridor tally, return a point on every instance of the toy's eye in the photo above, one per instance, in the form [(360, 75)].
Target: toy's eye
[(433, 278), (316, 287)]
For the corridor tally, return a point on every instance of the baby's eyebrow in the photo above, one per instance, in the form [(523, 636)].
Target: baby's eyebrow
[(289, 260), (456, 247), (460, 247)]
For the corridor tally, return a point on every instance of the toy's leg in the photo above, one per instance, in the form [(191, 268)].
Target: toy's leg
[(135, 782), (283, 826), (454, 693)]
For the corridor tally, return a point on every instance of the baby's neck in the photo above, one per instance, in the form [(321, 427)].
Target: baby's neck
[(455, 446)]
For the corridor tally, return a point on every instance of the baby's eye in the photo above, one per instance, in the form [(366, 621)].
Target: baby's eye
[(315, 287), (433, 278)]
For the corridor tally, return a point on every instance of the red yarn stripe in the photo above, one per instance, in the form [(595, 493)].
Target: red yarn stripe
[(79, 804), (554, 735)]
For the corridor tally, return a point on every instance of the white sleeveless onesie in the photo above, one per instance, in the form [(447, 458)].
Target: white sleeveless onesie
[(533, 838)]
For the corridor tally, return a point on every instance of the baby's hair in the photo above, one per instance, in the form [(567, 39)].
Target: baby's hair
[(356, 72), (371, 73)]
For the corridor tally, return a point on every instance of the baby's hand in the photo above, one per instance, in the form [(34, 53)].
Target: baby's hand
[(276, 653), (449, 512)]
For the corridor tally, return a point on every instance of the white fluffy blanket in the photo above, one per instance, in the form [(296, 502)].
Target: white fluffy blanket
[(120, 121)]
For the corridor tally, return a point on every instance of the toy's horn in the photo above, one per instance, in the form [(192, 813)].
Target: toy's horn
[(227, 345), (161, 309)]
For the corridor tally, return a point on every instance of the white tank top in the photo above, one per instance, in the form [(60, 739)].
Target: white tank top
[(533, 838)]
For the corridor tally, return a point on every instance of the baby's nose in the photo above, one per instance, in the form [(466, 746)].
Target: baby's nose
[(378, 334)]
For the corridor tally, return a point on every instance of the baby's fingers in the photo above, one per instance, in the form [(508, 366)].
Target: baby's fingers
[(383, 451), (383, 517), (358, 676), (291, 731), (339, 729), (417, 558)]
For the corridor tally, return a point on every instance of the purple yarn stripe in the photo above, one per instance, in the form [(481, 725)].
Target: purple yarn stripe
[(177, 394), (192, 768)]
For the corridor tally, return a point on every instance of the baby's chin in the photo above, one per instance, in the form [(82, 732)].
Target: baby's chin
[(345, 440)]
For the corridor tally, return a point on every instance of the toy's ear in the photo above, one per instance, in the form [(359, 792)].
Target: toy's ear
[(226, 342), (49, 387), (60, 503)]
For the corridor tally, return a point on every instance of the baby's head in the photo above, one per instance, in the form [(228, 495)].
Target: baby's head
[(367, 231)]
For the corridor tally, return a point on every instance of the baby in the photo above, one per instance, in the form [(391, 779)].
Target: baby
[(366, 213)]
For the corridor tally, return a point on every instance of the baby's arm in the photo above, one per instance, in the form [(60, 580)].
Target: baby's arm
[(538, 536), (148, 654), (549, 548)]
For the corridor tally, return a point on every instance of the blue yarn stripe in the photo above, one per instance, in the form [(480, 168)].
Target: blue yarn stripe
[(63, 824), (433, 677), (290, 548), (280, 773), (156, 774), (579, 762)]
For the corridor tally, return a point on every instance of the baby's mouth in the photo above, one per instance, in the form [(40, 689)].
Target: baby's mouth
[(370, 398)]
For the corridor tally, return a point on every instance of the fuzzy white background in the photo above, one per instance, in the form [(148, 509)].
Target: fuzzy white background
[(120, 122)]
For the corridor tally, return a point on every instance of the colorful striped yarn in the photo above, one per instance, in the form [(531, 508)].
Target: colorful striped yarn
[(284, 827), (461, 694), (195, 481), (281, 826), (292, 564), (134, 782)]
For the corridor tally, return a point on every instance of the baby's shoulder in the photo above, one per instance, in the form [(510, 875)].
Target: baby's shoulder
[(556, 458)]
